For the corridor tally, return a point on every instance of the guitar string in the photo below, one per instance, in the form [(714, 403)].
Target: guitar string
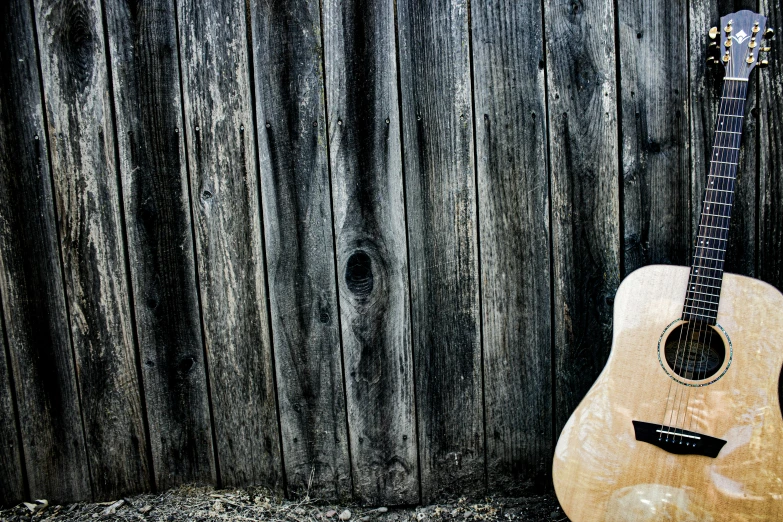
[(700, 256), (708, 221), (734, 107), (693, 337), (738, 95)]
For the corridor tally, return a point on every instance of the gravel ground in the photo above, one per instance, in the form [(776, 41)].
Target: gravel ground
[(256, 504)]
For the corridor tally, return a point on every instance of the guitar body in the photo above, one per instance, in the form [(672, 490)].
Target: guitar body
[(602, 472)]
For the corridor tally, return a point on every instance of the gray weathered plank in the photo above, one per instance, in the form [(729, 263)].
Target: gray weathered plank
[(11, 472), (145, 74), (655, 135), (30, 266), (770, 130), (442, 226), (372, 261), (81, 137), (224, 184), (513, 184), (583, 130), (287, 54), (705, 92)]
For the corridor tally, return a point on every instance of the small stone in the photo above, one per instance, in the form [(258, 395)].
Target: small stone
[(331, 513), (113, 508), (37, 505), (299, 511), (468, 514), (382, 510), (345, 515), (364, 519), (146, 509)]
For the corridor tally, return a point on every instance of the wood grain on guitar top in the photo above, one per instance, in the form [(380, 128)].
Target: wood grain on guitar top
[(602, 473)]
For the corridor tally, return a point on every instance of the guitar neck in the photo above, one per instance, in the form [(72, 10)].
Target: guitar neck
[(703, 296)]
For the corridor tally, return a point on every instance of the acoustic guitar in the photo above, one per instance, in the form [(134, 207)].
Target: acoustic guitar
[(684, 422)]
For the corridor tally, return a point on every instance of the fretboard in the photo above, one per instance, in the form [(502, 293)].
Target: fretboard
[(703, 296)]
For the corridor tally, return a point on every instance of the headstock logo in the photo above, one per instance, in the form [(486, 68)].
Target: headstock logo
[(740, 36)]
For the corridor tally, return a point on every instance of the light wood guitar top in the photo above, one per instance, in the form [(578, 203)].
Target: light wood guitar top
[(602, 473)]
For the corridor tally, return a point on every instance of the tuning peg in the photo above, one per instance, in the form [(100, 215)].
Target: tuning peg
[(750, 58), (769, 33), (763, 63), (727, 29), (713, 33), (726, 57), (766, 49), (755, 28)]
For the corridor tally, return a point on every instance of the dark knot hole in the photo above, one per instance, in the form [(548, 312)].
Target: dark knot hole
[(358, 274)]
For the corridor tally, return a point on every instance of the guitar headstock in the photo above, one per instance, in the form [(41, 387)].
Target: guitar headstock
[(738, 42)]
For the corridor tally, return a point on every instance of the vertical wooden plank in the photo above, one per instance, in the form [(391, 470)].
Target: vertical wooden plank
[(81, 136), (513, 184), (291, 126), (771, 153), (441, 196), (372, 261), (705, 91), (770, 125), (224, 184), (145, 75), (583, 130), (31, 285), (11, 473), (655, 136)]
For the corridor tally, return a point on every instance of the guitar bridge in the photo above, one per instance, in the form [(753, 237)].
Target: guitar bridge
[(676, 440)]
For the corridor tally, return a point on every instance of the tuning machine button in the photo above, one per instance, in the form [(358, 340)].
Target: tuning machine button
[(713, 33), (750, 58), (727, 43), (763, 63), (769, 33), (726, 57), (727, 29)]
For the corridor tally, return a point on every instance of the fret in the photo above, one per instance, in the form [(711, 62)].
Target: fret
[(722, 251), (710, 277), (702, 285), (731, 148), (713, 239), (727, 132), (731, 115), (691, 316), (719, 203), (725, 177), (699, 267), (724, 162), (702, 301), (710, 226), (709, 258), (714, 215), (730, 98), (700, 308)]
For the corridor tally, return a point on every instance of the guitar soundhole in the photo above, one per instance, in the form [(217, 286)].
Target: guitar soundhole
[(695, 352)]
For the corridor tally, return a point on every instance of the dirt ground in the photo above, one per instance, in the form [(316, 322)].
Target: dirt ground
[(256, 504)]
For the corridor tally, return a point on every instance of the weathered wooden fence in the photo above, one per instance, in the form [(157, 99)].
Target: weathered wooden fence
[(365, 248)]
